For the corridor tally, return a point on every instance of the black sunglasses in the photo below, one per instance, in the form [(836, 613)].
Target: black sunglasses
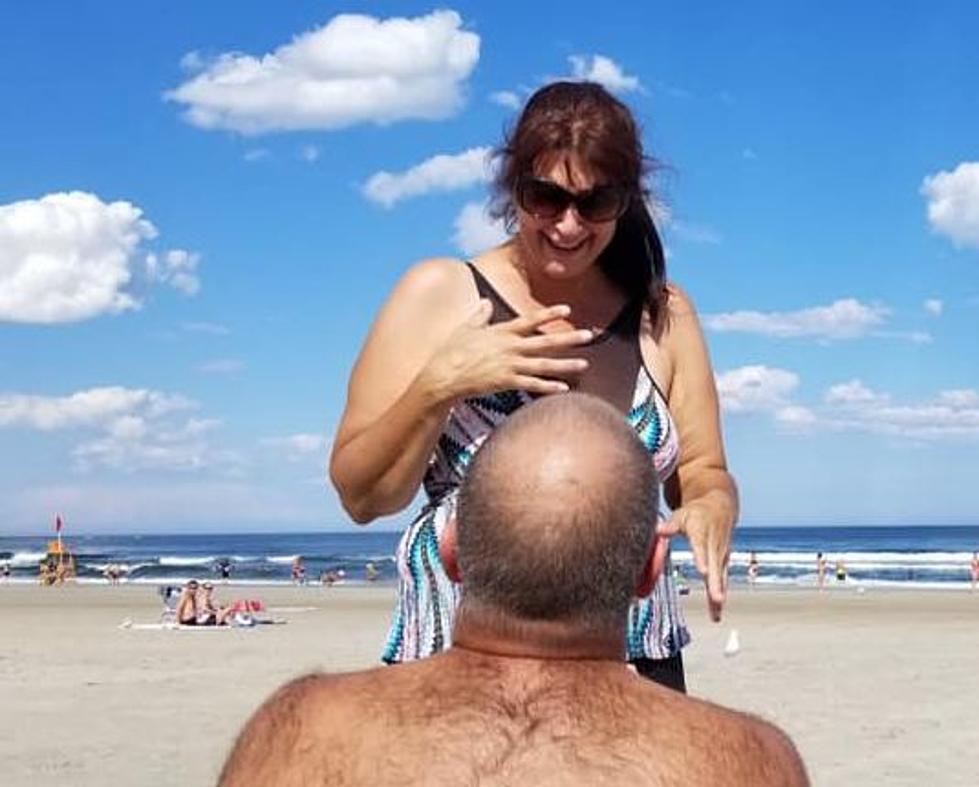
[(546, 200)]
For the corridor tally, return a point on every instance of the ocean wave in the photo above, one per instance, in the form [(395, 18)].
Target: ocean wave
[(281, 558), (26, 558), (177, 560)]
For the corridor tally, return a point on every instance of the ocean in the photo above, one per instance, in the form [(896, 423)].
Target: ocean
[(919, 557)]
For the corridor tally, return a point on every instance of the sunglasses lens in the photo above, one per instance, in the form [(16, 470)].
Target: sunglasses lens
[(603, 203), (542, 199)]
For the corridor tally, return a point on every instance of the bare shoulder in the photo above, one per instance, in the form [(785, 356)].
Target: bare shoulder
[(740, 749), (439, 280), (304, 728)]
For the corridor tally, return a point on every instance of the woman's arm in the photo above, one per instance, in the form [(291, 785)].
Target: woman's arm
[(430, 346), (702, 493)]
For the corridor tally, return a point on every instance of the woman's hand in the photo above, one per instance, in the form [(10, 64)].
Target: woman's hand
[(480, 358), (708, 529)]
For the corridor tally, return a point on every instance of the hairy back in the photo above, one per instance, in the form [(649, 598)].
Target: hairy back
[(489, 721)]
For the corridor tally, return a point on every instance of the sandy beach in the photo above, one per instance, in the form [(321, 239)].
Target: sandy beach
[(875, 688)]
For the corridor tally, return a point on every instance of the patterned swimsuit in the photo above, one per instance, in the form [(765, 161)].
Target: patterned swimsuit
[(427, 598)]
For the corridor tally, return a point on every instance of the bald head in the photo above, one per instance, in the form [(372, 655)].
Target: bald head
[(556, 513)]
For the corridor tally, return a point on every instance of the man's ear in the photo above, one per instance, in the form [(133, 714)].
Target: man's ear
[(448, 550), (658, 551)]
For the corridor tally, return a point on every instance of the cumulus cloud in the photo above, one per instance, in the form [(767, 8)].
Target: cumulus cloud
[(299, 446), (949, 415), (354, 69), (506, 98), (843, 319), (934, 306), (69, 256), (443, 172), (852, 393), (605, 71), (953, 203), (177, 267), (755, 388), (93, 407), (135, 429), (475, 231)]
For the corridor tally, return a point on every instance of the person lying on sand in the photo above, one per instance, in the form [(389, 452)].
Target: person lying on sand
[(551, 543)]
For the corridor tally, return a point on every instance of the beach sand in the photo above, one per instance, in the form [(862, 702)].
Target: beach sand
[(875, 688)]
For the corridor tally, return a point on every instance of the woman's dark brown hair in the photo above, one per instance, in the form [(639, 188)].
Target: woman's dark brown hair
[(585, 119)]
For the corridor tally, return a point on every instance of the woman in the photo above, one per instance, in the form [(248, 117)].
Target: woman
[(576, 299)]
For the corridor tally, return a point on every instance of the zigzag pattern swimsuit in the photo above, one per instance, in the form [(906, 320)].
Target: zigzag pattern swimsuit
[(427, 598)]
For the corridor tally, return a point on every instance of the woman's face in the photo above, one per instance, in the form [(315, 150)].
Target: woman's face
[(565, 246)]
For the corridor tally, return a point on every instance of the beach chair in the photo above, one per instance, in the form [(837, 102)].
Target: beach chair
[(169, 594)]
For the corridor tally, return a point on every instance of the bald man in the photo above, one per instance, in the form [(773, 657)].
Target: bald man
[(554, 537)]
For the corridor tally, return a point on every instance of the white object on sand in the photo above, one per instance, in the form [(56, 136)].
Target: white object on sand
[(733, 645)]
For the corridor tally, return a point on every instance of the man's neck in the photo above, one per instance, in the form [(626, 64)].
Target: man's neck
[(494, 634)]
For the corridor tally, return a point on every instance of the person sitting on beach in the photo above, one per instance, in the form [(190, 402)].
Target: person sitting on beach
[(186, 613), (208, 612), (551, 543)]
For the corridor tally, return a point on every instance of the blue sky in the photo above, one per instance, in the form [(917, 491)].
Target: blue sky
[(202, 205)]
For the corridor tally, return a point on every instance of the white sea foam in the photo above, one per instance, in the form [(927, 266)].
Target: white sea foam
[(177, 560), (26, 558), (281, 558)]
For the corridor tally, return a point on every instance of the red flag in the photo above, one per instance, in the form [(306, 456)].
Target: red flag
[(58, 524)]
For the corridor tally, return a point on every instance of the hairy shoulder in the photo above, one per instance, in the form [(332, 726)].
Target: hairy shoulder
[(742, 749), (295, 734)]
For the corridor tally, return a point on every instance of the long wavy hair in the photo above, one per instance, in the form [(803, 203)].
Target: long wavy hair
[(583, 118)]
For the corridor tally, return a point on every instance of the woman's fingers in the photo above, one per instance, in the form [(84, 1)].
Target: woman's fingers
[(551, 367), (556, 341), (529, 323)]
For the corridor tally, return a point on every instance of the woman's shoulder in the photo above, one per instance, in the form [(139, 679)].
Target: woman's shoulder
[(436, 277)]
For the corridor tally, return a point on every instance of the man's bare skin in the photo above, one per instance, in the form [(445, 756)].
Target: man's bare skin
[(535, 690), (468, 718)]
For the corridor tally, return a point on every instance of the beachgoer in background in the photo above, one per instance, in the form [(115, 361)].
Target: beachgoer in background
[(298, 571), (46, 572), (5, 570), (974, 570), (209, 613), (753, 568), (840, 570), (223, 568), (535, 672), (577, 299), (370, 572), (820, 570), (186, 612)]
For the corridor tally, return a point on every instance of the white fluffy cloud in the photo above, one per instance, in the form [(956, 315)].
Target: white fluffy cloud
[(299, 446), (69, 256), (443, 172), (475, 231), (953, 203), (934, 306), (506, 98), (951, 414), (854, 393), (605, 71), (755, 388), (93, 407), (354, 69), (177, 267), (135, 429), (843, 319)]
